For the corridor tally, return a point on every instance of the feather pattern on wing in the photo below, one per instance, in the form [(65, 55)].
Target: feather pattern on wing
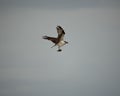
[(60, 32), (54, 40)]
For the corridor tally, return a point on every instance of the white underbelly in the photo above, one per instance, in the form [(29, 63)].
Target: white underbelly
[(61, 43)]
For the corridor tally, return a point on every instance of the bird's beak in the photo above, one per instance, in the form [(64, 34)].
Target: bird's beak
[(66, 42)]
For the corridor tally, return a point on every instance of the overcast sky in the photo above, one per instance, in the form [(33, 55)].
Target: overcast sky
[(88, 66)]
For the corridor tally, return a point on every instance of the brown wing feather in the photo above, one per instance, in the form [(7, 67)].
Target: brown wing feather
[(54, 40), (60, 32)]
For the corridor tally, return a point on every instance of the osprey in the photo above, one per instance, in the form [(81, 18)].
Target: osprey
[(59, 40)]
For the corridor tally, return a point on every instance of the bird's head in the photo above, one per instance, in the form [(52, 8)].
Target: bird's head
[(66, 42)]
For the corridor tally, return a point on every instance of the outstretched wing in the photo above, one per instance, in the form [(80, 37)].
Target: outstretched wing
[(54, 40), (60, 32)]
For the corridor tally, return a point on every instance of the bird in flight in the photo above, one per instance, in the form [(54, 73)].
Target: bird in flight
[(59, 40)]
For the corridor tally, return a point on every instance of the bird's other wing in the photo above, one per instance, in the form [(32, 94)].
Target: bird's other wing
[(54, 40), (60, 32)]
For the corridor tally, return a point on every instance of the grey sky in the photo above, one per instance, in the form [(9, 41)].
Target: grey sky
[(88, 66), (60, 3)]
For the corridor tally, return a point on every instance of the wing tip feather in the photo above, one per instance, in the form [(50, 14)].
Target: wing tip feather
[(44, 37)]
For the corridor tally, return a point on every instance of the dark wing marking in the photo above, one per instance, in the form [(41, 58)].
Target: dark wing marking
[(54, 40), (60, 32)]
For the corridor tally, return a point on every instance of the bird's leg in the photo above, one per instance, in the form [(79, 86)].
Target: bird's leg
[(53, 46), (59, 49)]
